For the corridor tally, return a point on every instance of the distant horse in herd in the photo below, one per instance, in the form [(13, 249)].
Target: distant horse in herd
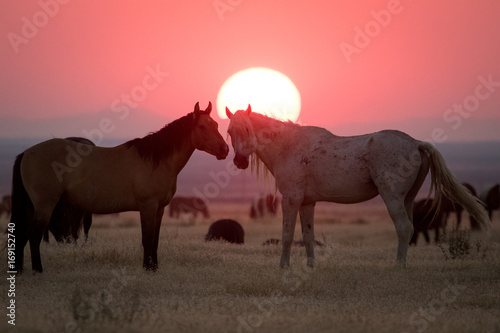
[(264, 205), (448, 206), (138, 175), (426, 217), (491, 197), (310, 164), (187, 205)]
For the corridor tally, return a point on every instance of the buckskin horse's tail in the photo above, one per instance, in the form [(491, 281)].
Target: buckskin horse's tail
[(22, 210), (443, 182)]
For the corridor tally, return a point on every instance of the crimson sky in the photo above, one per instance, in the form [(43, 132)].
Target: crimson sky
[(359, 65)]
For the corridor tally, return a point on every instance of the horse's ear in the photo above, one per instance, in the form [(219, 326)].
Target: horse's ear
[(197, 107), (209, 108), (229, 114), (249, 109)]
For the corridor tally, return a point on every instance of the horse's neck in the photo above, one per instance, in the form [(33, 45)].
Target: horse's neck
[(272, 137), (180, 158)]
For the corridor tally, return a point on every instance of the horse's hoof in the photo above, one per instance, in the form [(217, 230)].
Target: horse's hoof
[(284, 264), (401, 264), (311, 262), (150, 268)]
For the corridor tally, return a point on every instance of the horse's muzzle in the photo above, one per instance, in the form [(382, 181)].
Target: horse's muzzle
[(240, 161), (223, 152)]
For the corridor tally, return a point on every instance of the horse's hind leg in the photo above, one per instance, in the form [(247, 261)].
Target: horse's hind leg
[(420, 161), (35, 233), (426, 236), (307, 222), (404, 227), (398, 196), (35, 239), (87, 223)]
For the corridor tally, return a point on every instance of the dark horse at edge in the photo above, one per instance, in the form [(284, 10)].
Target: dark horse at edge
[(67, 220)]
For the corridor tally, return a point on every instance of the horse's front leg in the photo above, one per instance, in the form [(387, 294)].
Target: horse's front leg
[(148, 228), (290, 208), (159, 216), (307, 223)]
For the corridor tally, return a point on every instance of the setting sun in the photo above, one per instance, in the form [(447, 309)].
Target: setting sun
[(268, 91)]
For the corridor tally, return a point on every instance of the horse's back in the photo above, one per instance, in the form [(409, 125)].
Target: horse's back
[(349, 169), (393, 157), (383, 143), (336, 168), (89, 176), (42, 160)]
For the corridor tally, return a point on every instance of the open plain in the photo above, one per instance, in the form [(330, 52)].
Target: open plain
[(100, 286)]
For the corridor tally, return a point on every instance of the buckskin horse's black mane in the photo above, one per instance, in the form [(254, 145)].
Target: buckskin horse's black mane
[(159, 145)]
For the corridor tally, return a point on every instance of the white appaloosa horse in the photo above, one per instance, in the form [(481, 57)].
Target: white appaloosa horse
[(311, 164)]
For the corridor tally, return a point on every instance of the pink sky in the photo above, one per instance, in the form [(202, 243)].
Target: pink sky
[(412, 67)]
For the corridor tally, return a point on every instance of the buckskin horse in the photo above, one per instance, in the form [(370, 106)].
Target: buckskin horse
[(138, 175), (311, 164)]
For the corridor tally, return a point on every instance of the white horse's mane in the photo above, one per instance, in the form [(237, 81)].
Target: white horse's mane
[(244, 124)]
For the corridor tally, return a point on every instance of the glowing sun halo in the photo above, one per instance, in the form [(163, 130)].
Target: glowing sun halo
[(267, 91)]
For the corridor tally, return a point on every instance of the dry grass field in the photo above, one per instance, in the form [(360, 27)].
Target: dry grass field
[(100, 286)]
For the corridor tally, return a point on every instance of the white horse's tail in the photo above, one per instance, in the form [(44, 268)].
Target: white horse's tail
[(443, 182)]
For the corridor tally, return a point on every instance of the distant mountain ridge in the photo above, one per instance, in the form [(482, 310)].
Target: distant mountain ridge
[(138, 123), (477, 163)]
